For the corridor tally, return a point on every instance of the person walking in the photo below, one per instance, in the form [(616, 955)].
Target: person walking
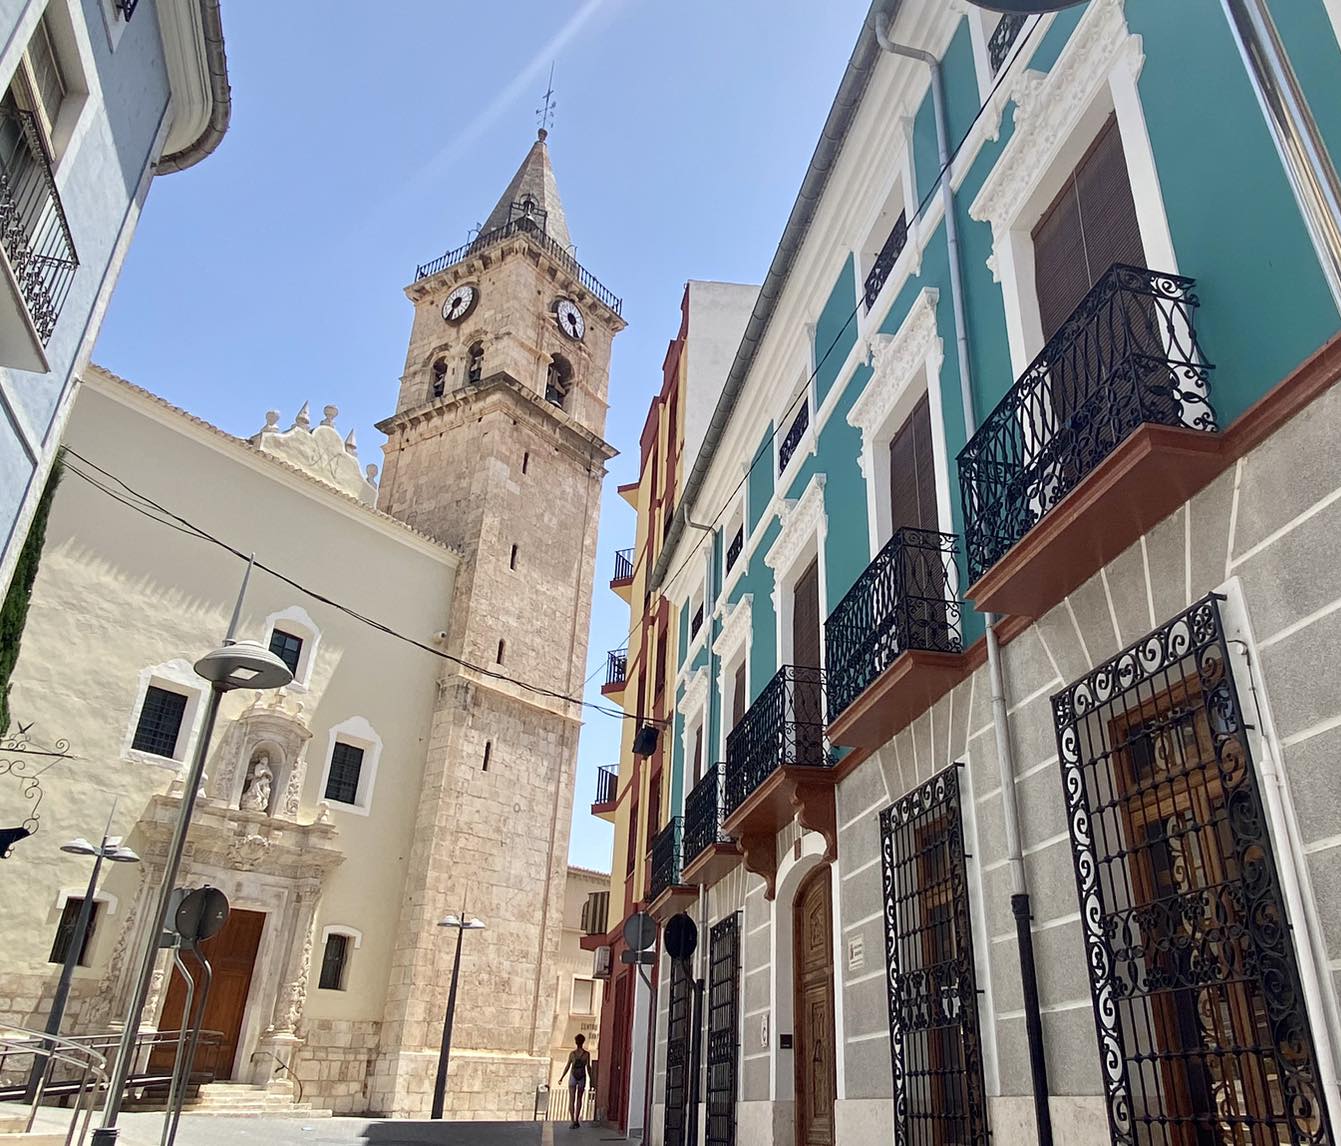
[(579, 1063)]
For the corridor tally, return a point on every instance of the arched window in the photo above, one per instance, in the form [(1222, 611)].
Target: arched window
[(558, 380), (475, 362), (439, 378)]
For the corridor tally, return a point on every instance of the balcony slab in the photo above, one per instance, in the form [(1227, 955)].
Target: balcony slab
[(794, 791), (711, 864), (908, 687), (1140, 483), (604, 811), (672, 901), (622, 587), (614, 689)]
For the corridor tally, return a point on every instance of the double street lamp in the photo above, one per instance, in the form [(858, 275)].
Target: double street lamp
[(462, 923)]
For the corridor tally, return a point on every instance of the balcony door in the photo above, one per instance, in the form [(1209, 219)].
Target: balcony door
[(921, 561), (807, 717), (912, 473)]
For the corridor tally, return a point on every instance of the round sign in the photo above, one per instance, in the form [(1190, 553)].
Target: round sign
[(201, 914), (681, 937), (640, 931)]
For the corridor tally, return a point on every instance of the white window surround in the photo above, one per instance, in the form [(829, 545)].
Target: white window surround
[(801, 538), (905, 366), (174, 676), (1057, 117), (109, 901), (878, 224), (786, 415), (982, 24), (340, 929), (296, 621), (693, 707), (732, 648), (360, 733), (572, 995), (735, 520)]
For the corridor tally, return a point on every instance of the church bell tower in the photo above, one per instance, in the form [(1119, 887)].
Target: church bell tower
[(496, 448)]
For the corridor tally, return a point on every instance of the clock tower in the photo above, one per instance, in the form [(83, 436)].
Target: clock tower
[(496, 448)]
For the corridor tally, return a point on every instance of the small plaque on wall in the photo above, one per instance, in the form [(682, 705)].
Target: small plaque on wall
[(856, 954)]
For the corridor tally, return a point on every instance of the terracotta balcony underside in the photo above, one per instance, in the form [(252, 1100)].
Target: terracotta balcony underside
[(622, 587), (1139, 484), (793, 791), (672, 901), (614, 689), (605, 811), (911, 685), (711, 864)]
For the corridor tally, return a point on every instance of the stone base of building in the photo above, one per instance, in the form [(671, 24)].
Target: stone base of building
[(764, 1123), (480, 1086), (334, 1064), (1077, 1120)]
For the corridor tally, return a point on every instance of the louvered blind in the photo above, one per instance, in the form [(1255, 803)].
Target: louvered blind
[(912, 472), (806, 620)]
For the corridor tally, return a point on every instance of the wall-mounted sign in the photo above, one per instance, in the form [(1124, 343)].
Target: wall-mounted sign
[(856, 953)]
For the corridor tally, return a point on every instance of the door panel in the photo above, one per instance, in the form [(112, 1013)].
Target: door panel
[(813, 1042)]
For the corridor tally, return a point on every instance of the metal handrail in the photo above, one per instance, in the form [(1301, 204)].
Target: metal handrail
[(57, 1049), (616, 666), (784, 726), (666, 851), (286, 1068), (607, 784), (703, 813)]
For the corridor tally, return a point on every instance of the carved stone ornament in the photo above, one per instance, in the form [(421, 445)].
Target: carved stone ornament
[(248, 852), (735, 630), (1049, 106), (320, 453), (801, 519), (695, 694), (896, 360), (272, 730)]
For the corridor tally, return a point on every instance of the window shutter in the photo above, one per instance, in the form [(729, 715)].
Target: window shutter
[(912, 472), (698, 753), (738, 695), (1060, 271), (654, 808), (805, 619)]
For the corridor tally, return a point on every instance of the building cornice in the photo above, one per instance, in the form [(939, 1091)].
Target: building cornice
[(202, 102)]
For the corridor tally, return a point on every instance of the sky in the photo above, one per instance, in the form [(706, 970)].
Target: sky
[(367, 139)]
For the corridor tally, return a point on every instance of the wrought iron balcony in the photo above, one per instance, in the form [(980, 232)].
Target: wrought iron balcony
[(733, 550), (665, 879), (616, 670), (1003, 39), (904, 600), (885, 260), (607, 786), (785, 725), (623, 565), (709, 852), (532, 228), (794, 434), (34, 233), (1125, 360)]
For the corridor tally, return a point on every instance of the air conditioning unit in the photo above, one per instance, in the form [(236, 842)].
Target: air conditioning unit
[(601, 970)]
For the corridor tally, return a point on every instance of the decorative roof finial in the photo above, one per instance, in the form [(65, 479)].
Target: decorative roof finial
[(545, 112), (304, 417), (331, 412), (351, 446)]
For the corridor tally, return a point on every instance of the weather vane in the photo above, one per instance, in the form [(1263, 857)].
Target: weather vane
[(544, 114)]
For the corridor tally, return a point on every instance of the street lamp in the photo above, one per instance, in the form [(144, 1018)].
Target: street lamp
[(234, 664), (462, 923), (112, 850)]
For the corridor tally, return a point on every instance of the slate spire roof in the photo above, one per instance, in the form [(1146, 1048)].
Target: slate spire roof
[(533, 184)]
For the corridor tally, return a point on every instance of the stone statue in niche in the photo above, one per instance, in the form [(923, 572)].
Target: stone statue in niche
[(260, 780)]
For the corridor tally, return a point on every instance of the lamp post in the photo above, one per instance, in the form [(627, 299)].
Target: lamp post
[(233, 665), (462, 923), (112, 850)]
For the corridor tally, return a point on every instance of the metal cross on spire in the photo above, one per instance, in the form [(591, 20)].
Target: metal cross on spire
[(545, 112)]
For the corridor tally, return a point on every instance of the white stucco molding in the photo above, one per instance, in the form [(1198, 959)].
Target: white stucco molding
[(800, 520), (298, 622), (352, 933), (695, 695), (106, 898), (1048, 107), (735, 631), (896, 360), (358, 731)]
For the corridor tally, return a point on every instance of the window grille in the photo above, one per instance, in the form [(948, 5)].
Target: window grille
[(287, 647), (677, 1055), (723, 1030), (160, 722), (342, 784), (65, 932), (1203, 1033)]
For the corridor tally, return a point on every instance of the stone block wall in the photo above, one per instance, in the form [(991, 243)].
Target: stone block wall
[(334, 1064)]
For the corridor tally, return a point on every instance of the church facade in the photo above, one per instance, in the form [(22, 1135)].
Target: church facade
[(415, 768)]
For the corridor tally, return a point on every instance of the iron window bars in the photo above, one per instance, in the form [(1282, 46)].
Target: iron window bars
[(733, 550), (1126, 356), (623, 565), (160, 722), (723, 1030), (885, 260), (607, 784), (935, 1039), (904, 599), (784, 725), (342, 784), (696, 622), (525, 225), (616, 666), (1202, 1027), (34, 232), (794, 434), (287, 647), (1003, 39), (703, 814), (665, 872), (678, 1023)]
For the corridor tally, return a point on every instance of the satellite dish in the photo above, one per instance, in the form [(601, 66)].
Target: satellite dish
[(201, 914), (1025, 7), (640, 931), (681, 937)]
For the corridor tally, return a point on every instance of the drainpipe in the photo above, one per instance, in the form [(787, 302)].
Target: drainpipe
[(1019, 899)]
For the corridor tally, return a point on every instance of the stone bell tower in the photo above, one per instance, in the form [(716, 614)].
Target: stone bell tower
[(496, 449)]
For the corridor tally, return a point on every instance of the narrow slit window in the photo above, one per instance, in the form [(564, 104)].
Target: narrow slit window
[(334, 961), (526, 460), (65, 932), (512, 560), (488, 751), (501, 646)]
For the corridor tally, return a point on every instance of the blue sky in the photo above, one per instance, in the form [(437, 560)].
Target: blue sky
[(367, 139)]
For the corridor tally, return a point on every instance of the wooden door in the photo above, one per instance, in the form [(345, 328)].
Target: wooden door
[(232, 955), (912, 472), (813, 1041)]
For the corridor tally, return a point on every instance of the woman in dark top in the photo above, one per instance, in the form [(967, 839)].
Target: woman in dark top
[(579, 1062)]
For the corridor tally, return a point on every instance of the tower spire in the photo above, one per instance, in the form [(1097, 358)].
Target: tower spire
[(533, 191)]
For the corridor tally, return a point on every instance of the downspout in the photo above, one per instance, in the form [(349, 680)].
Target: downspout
[(1019, 899), (221, 96)]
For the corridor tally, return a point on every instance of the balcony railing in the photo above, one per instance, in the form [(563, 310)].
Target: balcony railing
[(623, 565), (734, 549), (534, 230), (33, 228), (1003, 39), (703, 809), (607, 784), (616, 667), (905, 599), (1127, 356), (794, 434), (885, 260), (666, 853), (785, 725)]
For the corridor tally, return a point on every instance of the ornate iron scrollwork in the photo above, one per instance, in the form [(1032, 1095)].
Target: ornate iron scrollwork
[(723, 1030), (665, 859), (784, 725), (1198, 1004), (677, 1055), (26, 763), (703, 813)]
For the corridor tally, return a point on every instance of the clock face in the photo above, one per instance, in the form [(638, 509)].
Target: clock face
[(570, 319), (459, 303)]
